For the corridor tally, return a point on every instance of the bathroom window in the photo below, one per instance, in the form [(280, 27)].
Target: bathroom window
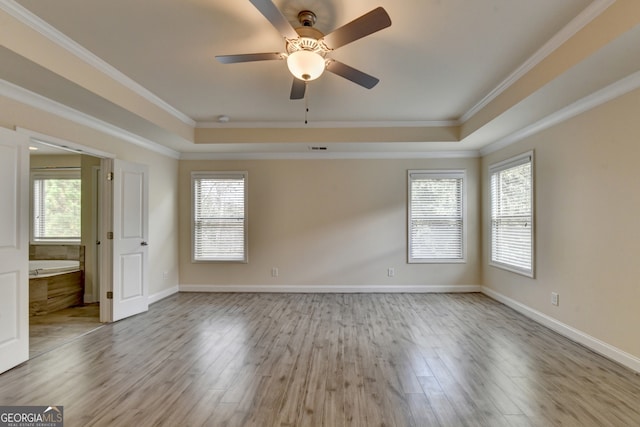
[(219, 216), (55, 205)]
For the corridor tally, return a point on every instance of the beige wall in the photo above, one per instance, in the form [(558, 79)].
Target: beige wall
[(329, 222), (163, 175), (587, 211), (55, 161)]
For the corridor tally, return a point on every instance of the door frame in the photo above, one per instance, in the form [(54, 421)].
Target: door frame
[(106, 202), (96, 220)]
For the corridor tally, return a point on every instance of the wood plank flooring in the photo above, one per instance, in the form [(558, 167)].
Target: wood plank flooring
[(51, 330), (327, 360)]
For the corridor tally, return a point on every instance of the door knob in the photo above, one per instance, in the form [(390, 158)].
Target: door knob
[(144, 244)]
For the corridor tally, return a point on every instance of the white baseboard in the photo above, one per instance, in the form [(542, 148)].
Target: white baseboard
[(600, 347), (331, 288), (162, 294)]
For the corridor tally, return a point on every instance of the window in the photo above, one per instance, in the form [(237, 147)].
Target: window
[(56, 206), (512, 214), (436, 216), (219, 216)]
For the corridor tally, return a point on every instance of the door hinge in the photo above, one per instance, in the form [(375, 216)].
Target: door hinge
[(110, 235), (109, 295), (110, 176)]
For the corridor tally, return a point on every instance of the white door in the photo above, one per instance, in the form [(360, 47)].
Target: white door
[(129, 242), (14, 249)]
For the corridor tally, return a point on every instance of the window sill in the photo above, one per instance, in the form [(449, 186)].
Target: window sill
[(527, 273)]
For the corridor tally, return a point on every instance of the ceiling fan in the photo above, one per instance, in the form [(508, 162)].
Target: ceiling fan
[(306, 47)]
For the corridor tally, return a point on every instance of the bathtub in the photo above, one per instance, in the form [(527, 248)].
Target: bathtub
[(54, 285), (46, 268)]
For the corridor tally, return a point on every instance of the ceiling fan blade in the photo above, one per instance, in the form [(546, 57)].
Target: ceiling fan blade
[(277, 19), (350, 73), (249, 57), (298, 88), (368, 23)]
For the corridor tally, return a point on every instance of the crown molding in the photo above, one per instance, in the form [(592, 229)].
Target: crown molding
[(335, 155), (328, 124), (587, 15), (40, 102), (34, 22), (606, 94), (25, 16)]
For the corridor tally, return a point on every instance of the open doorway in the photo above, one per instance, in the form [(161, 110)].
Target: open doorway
[(123, 254), (64, 250)]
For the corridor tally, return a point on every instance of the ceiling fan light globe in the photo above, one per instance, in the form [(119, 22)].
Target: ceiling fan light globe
[(306, 65)]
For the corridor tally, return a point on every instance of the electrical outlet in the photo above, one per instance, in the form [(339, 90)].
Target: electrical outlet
[(555, 298), (274, 272), (165, 275), (391, 272)]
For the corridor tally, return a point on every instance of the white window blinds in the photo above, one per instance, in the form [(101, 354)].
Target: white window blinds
[(512, 214), (56, 205), (436, 216), (219, 216)]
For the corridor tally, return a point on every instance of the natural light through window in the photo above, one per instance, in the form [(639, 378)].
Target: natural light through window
[(56, 205), (219, 216), (436, 216), (512, 231)]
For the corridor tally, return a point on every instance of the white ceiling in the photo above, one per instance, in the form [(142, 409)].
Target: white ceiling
[(437, 63)]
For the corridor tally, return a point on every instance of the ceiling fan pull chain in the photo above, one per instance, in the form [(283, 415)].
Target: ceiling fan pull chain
[(306, 105)]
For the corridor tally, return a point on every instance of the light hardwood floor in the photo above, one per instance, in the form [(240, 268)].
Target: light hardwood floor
[(327, 360), (52, 330)]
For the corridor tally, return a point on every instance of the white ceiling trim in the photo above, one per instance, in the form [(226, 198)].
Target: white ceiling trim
[(333, 155), (40, 102), (34, 22), (327, 124), (576, 24), (26, 17), (606, 94)]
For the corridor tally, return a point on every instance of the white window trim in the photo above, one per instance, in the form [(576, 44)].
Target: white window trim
[(50, 173), (500, 166), (438, 173), (217, 174)]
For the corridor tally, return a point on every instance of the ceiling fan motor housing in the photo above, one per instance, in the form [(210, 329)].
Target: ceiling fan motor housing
[(307, 18), (309, 36)]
